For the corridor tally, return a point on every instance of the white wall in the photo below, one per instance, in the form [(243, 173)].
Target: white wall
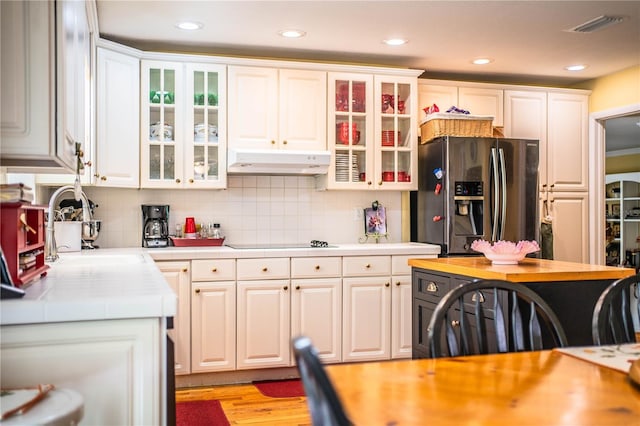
[(254, 209)]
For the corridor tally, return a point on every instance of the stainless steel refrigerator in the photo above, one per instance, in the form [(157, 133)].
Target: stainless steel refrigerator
[(475, 188)]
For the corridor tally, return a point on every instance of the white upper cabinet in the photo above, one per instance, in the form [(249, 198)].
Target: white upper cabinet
[(43, 117), (559, 121), (117, 154), (478, 99), (272, 108)]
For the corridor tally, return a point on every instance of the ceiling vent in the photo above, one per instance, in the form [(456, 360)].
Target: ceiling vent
[(596, 24)]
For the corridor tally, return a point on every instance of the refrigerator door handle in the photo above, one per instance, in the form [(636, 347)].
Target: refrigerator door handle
[(496, 193), (503, 195)]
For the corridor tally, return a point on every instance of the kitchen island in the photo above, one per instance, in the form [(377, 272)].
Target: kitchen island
[(571, 289), (97, 324)]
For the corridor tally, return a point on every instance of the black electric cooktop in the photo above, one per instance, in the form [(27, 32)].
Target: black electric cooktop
[(312, 244)]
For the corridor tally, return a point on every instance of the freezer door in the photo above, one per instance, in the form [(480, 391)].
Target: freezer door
[(518, 202)]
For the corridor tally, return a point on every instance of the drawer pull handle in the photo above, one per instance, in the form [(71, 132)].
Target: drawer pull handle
[(197, 291), (368, 265), (184, 269), (317, 267), (474, 298), (285, 288), (265, 269), (432, 287), (214, 269)]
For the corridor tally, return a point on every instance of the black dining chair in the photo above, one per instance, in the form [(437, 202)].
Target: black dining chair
[(612, 321), (492, 316), (323, 401)]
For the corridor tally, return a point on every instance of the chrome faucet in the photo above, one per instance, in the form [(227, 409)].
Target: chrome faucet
[(51, 250)]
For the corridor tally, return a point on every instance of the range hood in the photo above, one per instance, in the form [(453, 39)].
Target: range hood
[(274, 162)]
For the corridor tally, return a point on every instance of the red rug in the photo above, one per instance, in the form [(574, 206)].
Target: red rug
[(281, 388), (200, 413)]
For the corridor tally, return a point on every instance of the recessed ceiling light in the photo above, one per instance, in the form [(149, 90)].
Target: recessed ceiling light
[(575, 67), (190, 26), (482, 61), (395, 42), (292, 33)]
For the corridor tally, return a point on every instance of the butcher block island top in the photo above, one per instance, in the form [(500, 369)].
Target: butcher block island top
[(528, 270)]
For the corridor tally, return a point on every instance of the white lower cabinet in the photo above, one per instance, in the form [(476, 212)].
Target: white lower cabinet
[(401, 303), (116, 365), (316, 304), (367, 318), (366, 309), (178, 278), (213, 315), (213, 326), (263, 313), (263, 324)]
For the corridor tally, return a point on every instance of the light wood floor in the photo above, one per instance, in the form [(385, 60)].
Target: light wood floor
[(245, 405)]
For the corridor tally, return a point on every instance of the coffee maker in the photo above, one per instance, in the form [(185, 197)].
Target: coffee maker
[(155, 225)]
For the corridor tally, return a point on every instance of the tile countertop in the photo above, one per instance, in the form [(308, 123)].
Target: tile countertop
[(221, 252), (125, 283), (94, 285)]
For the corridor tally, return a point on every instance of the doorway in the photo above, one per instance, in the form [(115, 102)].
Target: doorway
[(597, 171)]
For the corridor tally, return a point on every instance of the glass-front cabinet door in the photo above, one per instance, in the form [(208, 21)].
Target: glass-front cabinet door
[(350, 130), (372, 131), (161, 133), (396, 132), (205, 152)]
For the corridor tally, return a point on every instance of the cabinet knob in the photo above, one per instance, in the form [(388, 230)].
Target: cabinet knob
[(96, 175), (297, 287), (432, 287), (379, 183), (214, 269), (197, 291), (273, 142), (455, 323), (184, 269), (369, 183), (285, 288), (177, 180), (191, 180), (387, 284), (103, 178), (368, 265), (265, 269), (284, 142), (317, 267), (398, 283), (544, 185)]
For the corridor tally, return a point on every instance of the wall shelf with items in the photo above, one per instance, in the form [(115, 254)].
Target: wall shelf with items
[(622, 204), (22, 239)]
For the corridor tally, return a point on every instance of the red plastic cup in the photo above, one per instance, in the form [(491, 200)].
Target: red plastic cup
[(190, 226)]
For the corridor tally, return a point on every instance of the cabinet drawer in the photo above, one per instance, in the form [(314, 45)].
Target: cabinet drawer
[(310, 267), (258, 269), (429, 286), (358, 266), (213, 270)]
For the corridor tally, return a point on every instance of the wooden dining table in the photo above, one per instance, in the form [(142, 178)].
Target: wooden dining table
[(526, 388)]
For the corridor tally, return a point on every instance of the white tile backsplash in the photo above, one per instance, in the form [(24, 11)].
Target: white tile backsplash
[(253, 209)]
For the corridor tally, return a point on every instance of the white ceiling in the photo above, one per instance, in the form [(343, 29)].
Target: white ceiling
[(527, 40)]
